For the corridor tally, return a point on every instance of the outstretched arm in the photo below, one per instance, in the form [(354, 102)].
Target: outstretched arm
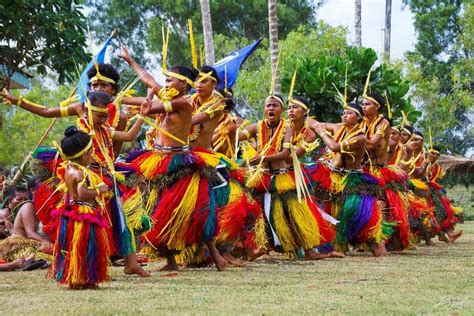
[(248, 133), (41, 110), (146, 77)]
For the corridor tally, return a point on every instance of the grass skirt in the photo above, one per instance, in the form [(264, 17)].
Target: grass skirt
[(290, 223), (83, 245)]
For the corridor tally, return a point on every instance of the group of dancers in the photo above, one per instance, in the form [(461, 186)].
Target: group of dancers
[(209, 186)]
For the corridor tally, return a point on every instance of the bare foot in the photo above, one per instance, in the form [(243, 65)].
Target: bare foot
[(234, 261), (220, 262), (443, 237), (312, 255), (136, 270), (336, 254), (253, 254), (18, 263), (456, 236), (169, 267), (429, 242), (379, 250), (88, 286)]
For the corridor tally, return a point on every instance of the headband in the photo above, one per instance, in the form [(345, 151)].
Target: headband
[(304, 106), (275, 97), (95, 108), (204, 76), (98, 77), (433, 151), (82, 152), (373, 100), (353, 109), (179, 77), (407, 130), (418, 136)]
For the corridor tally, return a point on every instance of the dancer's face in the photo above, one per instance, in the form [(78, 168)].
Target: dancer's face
[(204, 88), (369, 107), (394, 135), (417, 143), (273, 110), (296, 112), (404, 136), (349, 117), (103, 86), (175, 83), (99, 118)]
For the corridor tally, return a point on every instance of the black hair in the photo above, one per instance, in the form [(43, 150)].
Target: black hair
[(409, 128), (357, 106), (187, 72), (74, 141), (437, 148), (17, 189), (206, 69), (419, 134), (378, 98), (229, 99), (99, 99), (108, 71)]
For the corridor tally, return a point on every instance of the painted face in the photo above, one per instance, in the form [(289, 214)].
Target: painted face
[(175, 83), (349, 117), (369, 107), (296, 112), (404, 136), (395, 135), (103, 86), (417, 143), (273, 110), (17, 199), (205, 87), (99, 118)]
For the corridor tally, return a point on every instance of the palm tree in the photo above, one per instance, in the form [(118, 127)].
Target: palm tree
[(207, 29), (388, 28), (358, 20), (273, 32)]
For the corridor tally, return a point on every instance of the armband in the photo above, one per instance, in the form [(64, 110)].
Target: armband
[(64, 111), (112, 134), (20, 99), (246, 133), (286, 145), (168, 106)]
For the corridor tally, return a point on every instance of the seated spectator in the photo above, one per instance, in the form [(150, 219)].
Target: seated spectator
[(17, 196)]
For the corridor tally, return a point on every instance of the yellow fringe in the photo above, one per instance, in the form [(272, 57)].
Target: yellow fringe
[(17, 247), (419, 184), (180, 219), (284, 183), (282, 227), (260, 233), (376, 231), (211, 159), (304, 224), (148, 166), (74, 265), (133, 209)]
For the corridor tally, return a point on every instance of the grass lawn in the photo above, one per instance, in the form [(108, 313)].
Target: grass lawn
[(435, 280)]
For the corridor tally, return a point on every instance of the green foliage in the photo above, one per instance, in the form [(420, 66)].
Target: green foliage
[(321, 69), (22, 130), (442, 71), (39, 35), (142, 20)]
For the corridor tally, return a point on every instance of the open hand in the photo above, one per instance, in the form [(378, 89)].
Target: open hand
[(124, 54)]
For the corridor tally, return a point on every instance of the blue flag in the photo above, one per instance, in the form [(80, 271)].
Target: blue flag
[(84, 80), (230, 65)]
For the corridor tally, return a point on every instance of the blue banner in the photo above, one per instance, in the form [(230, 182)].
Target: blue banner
[(230, 65)]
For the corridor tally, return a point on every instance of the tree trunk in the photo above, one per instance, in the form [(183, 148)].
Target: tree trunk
[(207, 29), (388, 29), (273, 30), (358, 24)]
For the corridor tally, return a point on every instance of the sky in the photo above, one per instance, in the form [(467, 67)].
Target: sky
[(341, 12)]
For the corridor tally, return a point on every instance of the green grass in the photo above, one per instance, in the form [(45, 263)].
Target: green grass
[(428, 280)]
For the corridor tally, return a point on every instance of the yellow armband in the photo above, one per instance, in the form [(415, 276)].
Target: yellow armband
[(168, 106), (286, 145), (64, 111), (246, 133), (20, 99)]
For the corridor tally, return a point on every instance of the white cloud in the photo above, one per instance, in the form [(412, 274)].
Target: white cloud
[(403, 38)]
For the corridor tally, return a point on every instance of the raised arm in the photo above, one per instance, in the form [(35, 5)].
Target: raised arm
[(146, 78)]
